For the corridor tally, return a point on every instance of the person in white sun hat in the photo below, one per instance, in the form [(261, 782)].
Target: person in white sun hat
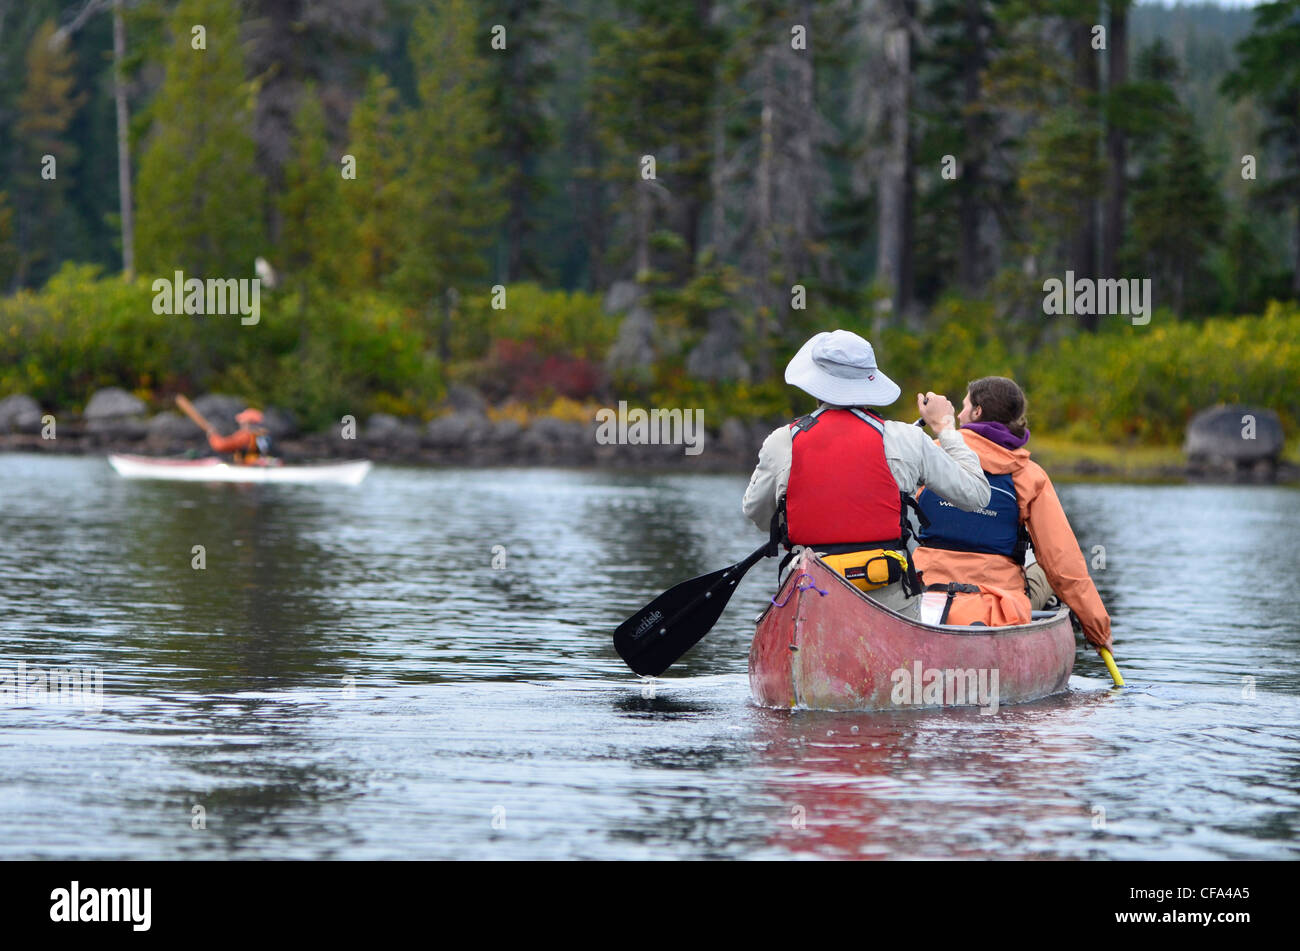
[(840, 479)]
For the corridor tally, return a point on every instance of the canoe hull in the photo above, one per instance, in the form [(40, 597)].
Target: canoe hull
[(216, 470), (843, 651)]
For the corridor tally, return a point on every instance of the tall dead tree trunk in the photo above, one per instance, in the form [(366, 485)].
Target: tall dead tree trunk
[(896, 180), (1083, 246), (968, 207), (123, 145)]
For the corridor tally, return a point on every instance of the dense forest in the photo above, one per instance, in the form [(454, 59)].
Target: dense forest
[(561, 202)]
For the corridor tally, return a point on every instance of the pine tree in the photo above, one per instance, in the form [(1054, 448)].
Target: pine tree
[(1177, 210), (373, 200), (521, 76), (1177, 214), (451, 199), (652, 96), (1044, 85), (313, 239), (1269, 69), (290, 44), (200, 199), (46, 107), (956, 120)]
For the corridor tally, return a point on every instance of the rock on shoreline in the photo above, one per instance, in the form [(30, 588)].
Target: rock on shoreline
[(466, 435), (1240, 443), (117, 421)]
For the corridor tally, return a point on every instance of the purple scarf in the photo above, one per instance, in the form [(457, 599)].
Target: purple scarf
[(998, 433)]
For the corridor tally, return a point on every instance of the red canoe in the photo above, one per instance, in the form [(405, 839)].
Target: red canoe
[(839, 650)]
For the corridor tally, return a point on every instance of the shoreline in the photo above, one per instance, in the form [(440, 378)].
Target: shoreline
[(552, 442)]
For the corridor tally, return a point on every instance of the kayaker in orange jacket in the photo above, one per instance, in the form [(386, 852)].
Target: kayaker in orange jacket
[(993, 424), (243, 442)]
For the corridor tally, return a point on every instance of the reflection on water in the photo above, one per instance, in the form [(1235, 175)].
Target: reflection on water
[(350, 677)]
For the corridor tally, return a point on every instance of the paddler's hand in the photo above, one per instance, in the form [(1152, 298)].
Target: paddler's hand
[(936, 409)]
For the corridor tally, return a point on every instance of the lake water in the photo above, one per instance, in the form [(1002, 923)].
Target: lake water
[(351, 677)]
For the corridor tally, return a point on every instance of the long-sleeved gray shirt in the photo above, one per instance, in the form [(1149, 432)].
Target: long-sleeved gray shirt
[(951, 468)]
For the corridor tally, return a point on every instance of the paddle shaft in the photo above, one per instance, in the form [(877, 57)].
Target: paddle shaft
[(655, 637), (736, 571), (1110, 665), (188, 409)]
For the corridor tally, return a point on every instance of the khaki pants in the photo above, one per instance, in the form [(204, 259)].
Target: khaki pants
[(1040, 592), (893, 597)]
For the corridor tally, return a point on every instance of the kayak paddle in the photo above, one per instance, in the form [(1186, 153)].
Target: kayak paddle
[(188, 409), (1110, 665), (652, 639)]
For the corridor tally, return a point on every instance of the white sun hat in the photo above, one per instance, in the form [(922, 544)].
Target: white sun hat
[(839, 367)]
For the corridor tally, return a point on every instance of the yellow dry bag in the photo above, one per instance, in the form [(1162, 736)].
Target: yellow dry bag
[(868, 570)]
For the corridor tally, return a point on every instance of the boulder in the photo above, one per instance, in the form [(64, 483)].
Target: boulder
[(385, 429), (280, 423), (457, 431), (559, 440), (737, 438), (505, 432), (220, 410), (20, 414), (115, 414), (114, 403), (1242, 435), (168, 428)]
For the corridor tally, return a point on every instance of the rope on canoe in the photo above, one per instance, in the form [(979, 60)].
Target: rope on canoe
[(799, 587)]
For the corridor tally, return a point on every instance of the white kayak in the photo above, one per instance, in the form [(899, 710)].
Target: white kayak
[(218, 470)]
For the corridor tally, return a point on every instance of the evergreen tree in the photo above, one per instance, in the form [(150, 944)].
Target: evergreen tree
[(373, 200), (1269, 69), (957, 120), (651, 96), (1177, 215), (200, 198), (290, 44), (451, 199), (313, 239), (45, 155), (521, 77), (1045, 89)]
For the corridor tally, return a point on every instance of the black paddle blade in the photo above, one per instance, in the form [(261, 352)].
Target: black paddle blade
[(652, 640)]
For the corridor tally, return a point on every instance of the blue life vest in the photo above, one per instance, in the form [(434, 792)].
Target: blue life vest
[(992, 530)]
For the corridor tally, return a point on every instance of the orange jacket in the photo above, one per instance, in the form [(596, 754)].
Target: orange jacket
[(241, 440), (1055, 546)]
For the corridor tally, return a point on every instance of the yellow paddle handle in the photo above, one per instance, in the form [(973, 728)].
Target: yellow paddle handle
[(1110, 665)]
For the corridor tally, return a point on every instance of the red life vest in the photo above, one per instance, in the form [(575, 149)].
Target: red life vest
[(841, 490)]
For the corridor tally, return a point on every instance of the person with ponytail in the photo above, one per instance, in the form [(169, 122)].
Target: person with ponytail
[(985, 549)]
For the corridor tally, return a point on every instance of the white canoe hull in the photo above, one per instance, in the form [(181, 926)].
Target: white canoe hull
[(216, 470)]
